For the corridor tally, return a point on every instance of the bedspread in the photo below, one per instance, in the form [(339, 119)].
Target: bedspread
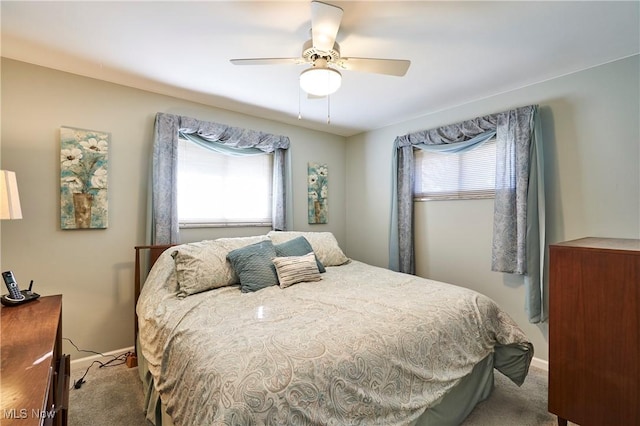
[(363, 346)]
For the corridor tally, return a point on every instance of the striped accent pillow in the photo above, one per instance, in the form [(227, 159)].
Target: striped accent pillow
[(296, 269)]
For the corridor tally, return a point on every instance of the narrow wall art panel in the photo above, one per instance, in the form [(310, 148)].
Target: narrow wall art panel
[(318, 184), (83, 178)]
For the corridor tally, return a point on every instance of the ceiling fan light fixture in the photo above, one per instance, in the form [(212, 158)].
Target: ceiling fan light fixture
[(320, 81)]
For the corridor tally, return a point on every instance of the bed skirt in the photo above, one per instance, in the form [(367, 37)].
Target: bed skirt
[(513, 361)]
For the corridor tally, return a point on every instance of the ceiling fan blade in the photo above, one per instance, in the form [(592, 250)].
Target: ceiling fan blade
[(325, 22), (397, 67), (267, 61)]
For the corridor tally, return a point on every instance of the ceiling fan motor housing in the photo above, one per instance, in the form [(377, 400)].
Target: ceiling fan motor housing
[(310, 53)]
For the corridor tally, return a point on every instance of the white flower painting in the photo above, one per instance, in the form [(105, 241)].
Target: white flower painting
[(84, 158), (318, 191)]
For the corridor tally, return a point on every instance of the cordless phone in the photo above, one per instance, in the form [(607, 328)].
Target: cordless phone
[(15, 296), (12, 286)]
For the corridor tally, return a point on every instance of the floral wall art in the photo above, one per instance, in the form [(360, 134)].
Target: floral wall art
[(318, 184), (84, 158)]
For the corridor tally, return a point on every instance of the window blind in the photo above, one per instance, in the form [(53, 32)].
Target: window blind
[(224, 190), (468, 175)]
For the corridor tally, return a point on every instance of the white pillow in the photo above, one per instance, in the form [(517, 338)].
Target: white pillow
[(324, 245), (203, 265), (296, 269)]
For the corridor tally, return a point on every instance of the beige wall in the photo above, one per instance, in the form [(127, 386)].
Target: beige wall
[(93, 269), (591, 135)]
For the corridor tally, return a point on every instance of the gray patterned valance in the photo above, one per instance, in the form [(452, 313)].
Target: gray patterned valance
[(453, 133), (235, 137)]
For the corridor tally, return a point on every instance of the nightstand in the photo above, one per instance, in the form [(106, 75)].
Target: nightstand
[(34, 374)]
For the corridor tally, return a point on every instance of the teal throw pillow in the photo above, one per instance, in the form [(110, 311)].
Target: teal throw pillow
[(297, 247), (253, 265)]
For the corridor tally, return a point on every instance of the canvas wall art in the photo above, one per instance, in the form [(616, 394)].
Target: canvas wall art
[(318, 184), (84, 156)]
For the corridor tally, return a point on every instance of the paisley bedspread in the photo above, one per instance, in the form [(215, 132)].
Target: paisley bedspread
[(364, 345)]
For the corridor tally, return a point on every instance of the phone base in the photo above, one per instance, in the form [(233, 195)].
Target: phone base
[(28, 297)]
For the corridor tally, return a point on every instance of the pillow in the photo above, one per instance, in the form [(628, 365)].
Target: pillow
[(254, 266), (203, 265), (297, 247), (324, 244), (296, 269)]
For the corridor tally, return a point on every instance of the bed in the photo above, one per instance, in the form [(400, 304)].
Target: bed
[(355, 344)]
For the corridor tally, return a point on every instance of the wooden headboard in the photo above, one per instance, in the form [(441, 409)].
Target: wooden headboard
[(154, 252)]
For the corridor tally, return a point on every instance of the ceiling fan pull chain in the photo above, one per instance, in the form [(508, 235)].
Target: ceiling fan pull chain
[(299, 113), (328, 109)]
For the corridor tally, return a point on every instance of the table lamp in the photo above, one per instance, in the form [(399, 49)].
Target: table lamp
[(9, 198), (10, 209)]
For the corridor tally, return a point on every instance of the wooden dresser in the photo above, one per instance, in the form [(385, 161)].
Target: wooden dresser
[(594, 331), (34, 375)]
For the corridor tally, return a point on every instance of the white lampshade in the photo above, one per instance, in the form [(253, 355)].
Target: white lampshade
[(9, 198), (320, 81)]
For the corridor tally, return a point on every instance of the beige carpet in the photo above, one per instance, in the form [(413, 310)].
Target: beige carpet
[(113, 396)]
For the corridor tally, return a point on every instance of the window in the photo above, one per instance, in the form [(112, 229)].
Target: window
[(466, 175), (215, 189)]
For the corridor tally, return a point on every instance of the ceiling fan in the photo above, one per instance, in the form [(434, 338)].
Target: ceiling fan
[(323, 53)]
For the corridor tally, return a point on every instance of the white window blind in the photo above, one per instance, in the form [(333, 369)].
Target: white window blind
[(466, 175), (215, 189)]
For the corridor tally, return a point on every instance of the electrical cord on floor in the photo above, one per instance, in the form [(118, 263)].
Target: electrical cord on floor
[(115, 361)]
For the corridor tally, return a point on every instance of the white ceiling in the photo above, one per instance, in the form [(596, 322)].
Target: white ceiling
[(459, 51)]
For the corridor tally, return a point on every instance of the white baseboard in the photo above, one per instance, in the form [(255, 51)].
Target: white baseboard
[(83, 363), (540, 363)]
